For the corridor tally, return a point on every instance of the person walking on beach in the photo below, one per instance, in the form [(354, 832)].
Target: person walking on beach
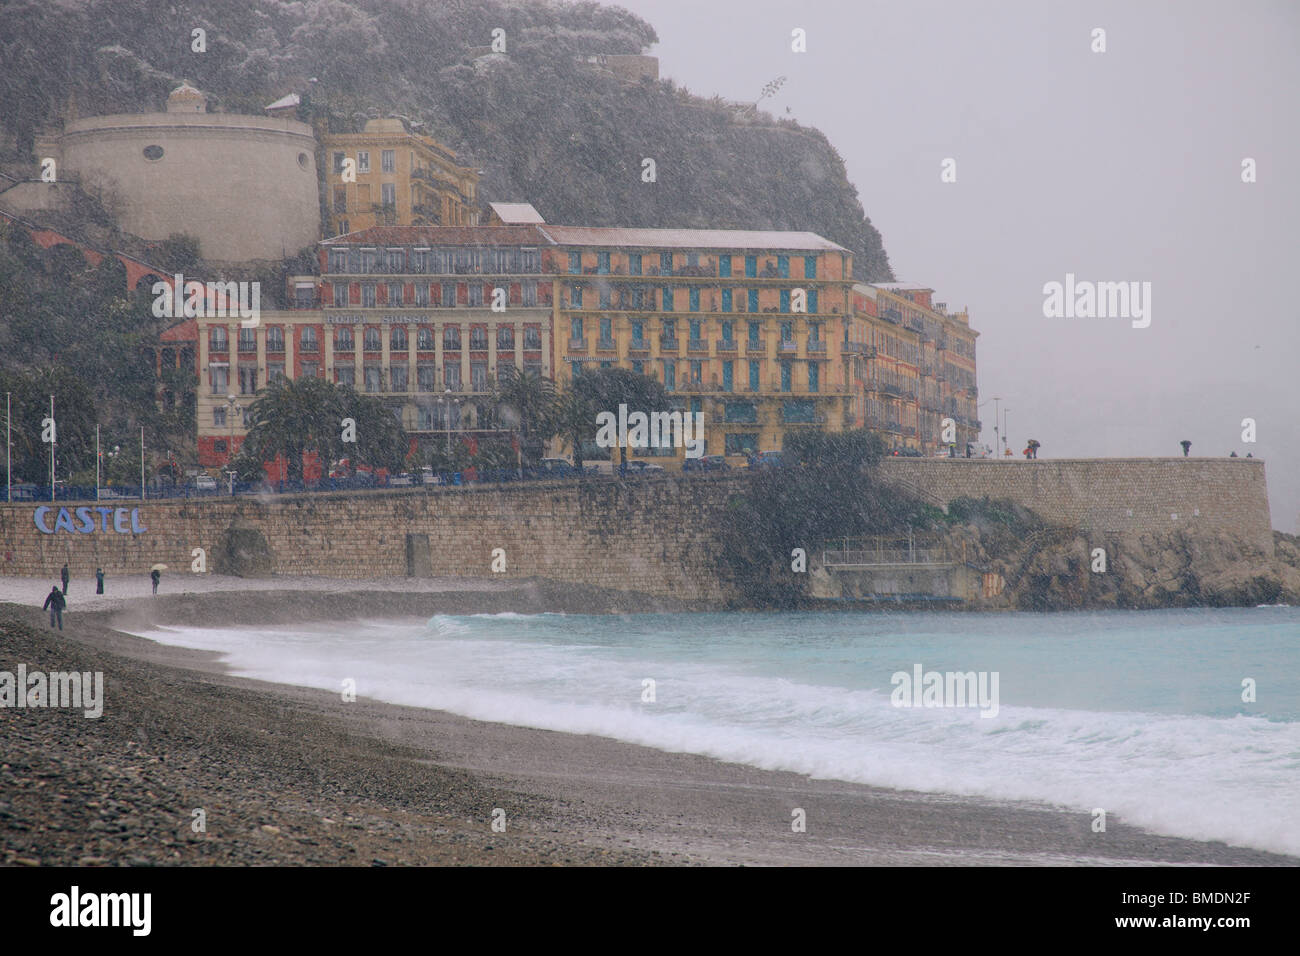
[(55, 602), (156, 576), (99, 580), (64, 574), (1187, 446)]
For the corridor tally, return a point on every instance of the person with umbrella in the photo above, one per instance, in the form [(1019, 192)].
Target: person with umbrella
[(155, 573)]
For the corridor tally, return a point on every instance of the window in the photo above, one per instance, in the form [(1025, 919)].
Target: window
[(812, 301), (638, 366), (346, 375), (397, 338), (398, 373), (575, 369), (424, 377), (219, 416), (310, 369), (814, 376), (451, 337), (478, 338), (726, 300), (753, 300), (275, 339), (786, 376), (810, 267), (575, 297), (424, 418), (724, 266), (475, 294), (751, 266), (338, 260), (388, 161), (753, 334), (728, 329), (670, 374), (451, 375), (787, 332), (533, 368), (753, 375), (448, 295), (341, 200), (217, 339), (394, 293), (695, 331), (388, 195), (248, 340), (785, 300), (726, 376), (153, 153), (308, 339), (343, 339), (742, 443), (606, 329), (368, 295), (783, 266), (340, 295), (602, 263), (634, 263), (693, 259), (424, 339), (604, 297), (575, 328), (666, 263), (338, 163), (274, 372), (529, 292), (396, 260), (374, 378), (667, 295), (532, 338), (422, 294), (247, 379), (371, 340), (695, 299), (575, 263), (638, 332), (697, 371), (478, 376)]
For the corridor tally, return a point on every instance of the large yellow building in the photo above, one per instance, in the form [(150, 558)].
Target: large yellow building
[(389, 176)]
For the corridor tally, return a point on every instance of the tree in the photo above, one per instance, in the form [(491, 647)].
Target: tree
[(293, 416), (605, 389), (74, 419), (381, 442), (575, 422), (526, 402)]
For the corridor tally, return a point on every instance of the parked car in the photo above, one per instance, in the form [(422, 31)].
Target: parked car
[(556, 468), (404, 480), (428, 477), (23, 491), (106, 494), (638, 467), (205, 483), (706, 463), (766, 459)]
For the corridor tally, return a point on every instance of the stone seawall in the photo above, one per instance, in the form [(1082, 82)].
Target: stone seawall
[(651, 535), (655, 536), (1113, 495)]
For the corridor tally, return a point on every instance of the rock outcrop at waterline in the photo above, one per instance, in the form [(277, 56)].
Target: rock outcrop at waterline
[(1053, 569)]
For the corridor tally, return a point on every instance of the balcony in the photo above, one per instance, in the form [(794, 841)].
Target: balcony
[(787, 346), (697, 345), (668, 343), (638, 347), (817, 345), (605, 345), (813, 420), (755, 347), (727, 345), (578, 346)]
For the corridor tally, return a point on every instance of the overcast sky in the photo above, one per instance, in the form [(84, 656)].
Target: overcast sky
[(1117, 166)]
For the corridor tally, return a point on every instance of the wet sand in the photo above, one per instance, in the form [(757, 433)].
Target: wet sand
[(297, 776)]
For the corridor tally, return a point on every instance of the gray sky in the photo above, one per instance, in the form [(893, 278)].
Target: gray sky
[(1115, 166)]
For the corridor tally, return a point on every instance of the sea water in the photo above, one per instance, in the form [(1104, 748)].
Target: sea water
[(1137, 713)]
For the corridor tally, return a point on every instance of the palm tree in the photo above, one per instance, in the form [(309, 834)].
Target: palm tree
[(606, 388), (293, 416), (527, 403), (575, 422)]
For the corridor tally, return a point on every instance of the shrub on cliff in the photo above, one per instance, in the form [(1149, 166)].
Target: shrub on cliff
[(828, 489)]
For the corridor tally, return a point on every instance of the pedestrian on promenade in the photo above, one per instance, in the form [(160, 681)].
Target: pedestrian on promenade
[(99, 580), (1025, 452), (55, 602), (1187, 446), (1033, 448), (156, 576), (64, 574), (1233, 455)]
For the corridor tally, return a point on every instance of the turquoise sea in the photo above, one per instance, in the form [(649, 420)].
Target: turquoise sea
[(1139, 713)]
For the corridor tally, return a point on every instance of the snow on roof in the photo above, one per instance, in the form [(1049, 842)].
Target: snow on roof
[(285, 102), (689, 238), (516, 213)]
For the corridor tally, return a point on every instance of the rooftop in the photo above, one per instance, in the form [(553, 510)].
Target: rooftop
[(516, 213), (689, 238)]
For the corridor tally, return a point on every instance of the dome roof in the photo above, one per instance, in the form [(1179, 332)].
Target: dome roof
[(187, 99)]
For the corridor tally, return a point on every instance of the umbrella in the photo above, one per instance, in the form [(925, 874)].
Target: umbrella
[(159, 567)]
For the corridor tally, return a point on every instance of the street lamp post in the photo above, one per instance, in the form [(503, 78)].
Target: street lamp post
[(1006, 434), (996, 423)]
